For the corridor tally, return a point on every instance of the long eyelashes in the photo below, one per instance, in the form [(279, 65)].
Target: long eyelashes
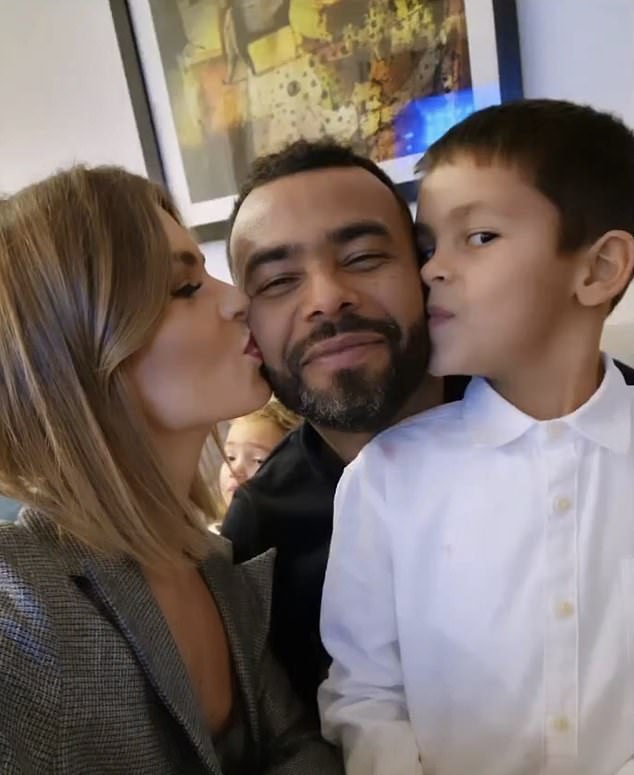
[(186, 291)]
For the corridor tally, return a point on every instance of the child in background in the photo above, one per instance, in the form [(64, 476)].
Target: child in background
[(479, 598), (250, 440)]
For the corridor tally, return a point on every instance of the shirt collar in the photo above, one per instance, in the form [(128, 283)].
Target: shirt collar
[(606, 419)]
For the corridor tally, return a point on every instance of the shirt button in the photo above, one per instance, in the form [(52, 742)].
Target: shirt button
[(564, 610), (561, 724), (562, 505)]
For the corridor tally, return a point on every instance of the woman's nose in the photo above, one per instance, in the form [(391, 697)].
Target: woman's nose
[(234, 304)]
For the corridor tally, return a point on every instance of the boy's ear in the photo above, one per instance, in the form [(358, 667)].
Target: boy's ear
[(606, 269)]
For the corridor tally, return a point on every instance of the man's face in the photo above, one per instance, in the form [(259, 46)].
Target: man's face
[(328, 260)]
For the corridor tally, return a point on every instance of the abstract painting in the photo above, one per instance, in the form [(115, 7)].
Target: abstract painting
[(229, 80)]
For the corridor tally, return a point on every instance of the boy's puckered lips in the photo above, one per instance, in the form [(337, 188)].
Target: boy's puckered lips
[(438, 315)]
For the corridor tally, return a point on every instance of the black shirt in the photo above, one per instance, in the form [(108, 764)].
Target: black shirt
[(288, 505)]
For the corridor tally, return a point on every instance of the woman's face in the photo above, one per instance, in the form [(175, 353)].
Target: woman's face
[(248, 444), (197, 370)]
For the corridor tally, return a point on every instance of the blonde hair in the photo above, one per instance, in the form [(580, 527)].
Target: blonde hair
[(274, 412), (85, 270)]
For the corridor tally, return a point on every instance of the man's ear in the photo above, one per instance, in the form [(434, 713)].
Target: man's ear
[(606, 269)]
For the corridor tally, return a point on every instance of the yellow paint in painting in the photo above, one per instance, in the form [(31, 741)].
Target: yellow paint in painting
[(362, 92), (201, 22), (273, 50), (306, 19), (185, 109), (407, 35), (402, 9), (369, 123), (388, 114), (232, 109)]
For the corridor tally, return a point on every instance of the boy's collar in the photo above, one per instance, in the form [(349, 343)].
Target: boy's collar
[(606, 419)]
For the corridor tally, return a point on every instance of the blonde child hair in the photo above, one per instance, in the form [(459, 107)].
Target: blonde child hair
[(275, 413)]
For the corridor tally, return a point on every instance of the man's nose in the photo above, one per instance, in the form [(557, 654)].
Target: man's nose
[(328, 295)]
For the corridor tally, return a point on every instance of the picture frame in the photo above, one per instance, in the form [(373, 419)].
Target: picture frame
[(494, 72)]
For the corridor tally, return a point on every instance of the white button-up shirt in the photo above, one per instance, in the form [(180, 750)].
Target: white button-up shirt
[(479, 598)]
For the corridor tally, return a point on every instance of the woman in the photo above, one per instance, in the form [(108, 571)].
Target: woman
[(129, 643)]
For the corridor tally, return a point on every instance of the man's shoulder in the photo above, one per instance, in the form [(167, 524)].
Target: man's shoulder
[(285, 466), (270, 506)]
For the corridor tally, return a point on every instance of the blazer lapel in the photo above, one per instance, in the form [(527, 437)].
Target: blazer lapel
[(123, 591), (243, 596)]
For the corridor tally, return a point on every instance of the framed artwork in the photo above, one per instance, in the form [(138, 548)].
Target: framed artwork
[(216, 83)]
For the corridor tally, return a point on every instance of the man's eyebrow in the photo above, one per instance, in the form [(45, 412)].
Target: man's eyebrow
[(270, 255), (352, 231), (188, 257)]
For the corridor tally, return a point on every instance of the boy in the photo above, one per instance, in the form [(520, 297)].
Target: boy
[(479, 598)]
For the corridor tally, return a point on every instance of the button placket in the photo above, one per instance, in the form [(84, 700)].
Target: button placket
[(561, 588)]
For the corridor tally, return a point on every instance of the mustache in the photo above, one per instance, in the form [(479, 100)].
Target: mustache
[(347, 324)]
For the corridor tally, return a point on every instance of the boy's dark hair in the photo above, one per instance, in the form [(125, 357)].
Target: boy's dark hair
[(582, 160), (306, 156)]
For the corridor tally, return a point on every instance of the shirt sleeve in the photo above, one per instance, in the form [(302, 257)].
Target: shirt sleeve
[(362, 702), (242, 526)]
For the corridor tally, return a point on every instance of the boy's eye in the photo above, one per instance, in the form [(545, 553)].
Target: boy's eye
[(258, 460), (231, 458), (479, 238), (426, 253), (425, 243), (186, 291)]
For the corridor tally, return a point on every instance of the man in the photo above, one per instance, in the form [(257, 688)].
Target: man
[(325, 247)]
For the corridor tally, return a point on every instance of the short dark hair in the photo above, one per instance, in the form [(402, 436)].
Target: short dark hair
[(306, 156), (581, 159)]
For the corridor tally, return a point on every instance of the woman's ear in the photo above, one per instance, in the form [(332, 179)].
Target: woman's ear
[(606, 269)]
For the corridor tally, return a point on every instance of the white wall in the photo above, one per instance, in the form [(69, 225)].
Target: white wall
[(216, 260), (63, 95), (582, 50)]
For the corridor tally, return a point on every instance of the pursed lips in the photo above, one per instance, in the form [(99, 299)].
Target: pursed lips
[(341, 343), (437, 315)]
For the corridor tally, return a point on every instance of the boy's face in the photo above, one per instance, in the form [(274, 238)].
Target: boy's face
[(500, 290)]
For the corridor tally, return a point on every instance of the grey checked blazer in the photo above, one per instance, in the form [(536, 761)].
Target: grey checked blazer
[(91, 681)]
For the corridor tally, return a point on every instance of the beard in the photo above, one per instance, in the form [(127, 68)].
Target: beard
[(359, 400)]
